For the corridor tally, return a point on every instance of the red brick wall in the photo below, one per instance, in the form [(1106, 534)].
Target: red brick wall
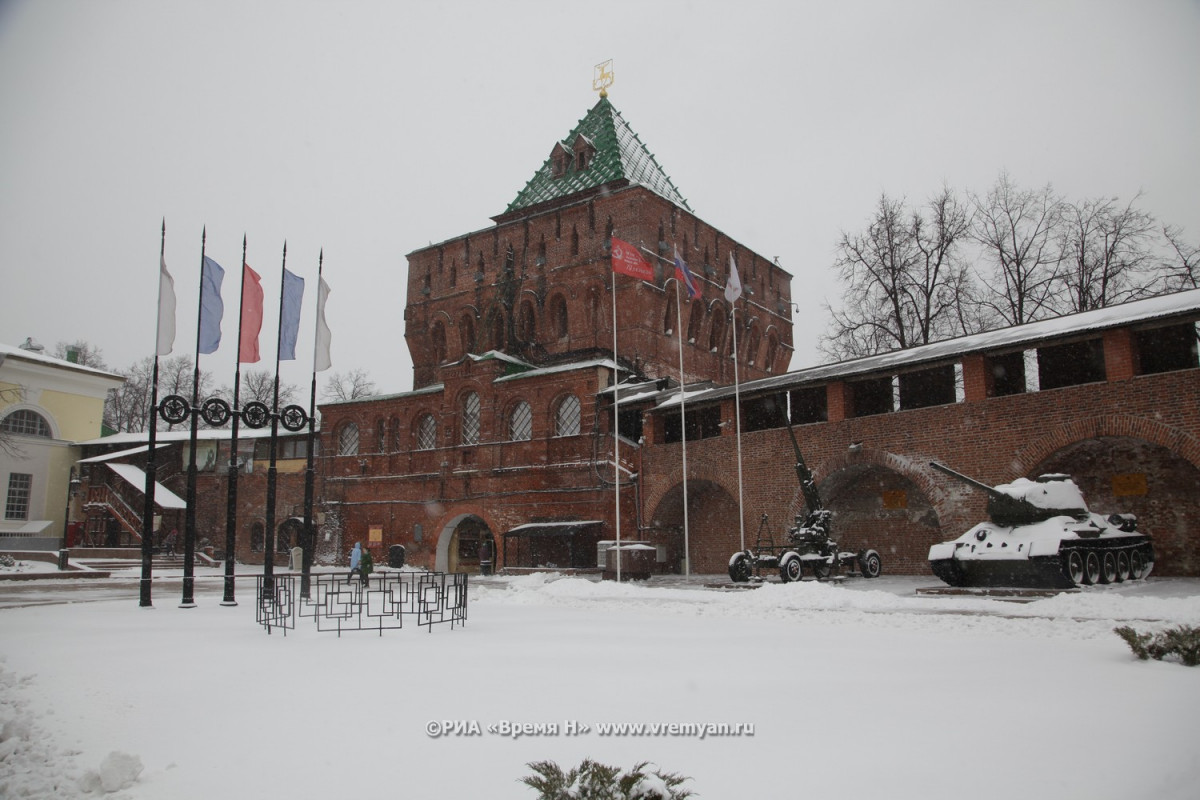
[(994, 440)]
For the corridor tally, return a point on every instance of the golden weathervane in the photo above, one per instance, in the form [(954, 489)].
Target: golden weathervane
[(603, 78)]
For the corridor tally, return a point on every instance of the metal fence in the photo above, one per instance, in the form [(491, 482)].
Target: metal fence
[(382, 602)]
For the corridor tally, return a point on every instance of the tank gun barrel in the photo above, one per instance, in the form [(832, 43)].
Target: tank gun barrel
[(1005, 509)]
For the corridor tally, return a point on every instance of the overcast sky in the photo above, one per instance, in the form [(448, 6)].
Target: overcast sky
[(371, 129)]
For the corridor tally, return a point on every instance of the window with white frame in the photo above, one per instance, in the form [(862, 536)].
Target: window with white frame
[(566, 417), (348, 439), (470, 419), (426, 432), (520, 422), (24, 422), (20, 485)]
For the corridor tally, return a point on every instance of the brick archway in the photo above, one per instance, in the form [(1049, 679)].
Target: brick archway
[(446, 537), (1038, 450)]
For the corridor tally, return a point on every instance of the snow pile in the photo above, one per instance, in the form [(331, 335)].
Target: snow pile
[(118, 771), (32, 766)]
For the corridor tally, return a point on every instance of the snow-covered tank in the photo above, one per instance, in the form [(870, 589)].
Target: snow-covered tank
[(1040, 534)]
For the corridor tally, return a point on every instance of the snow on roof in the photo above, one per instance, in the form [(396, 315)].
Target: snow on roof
[(203, 434), (1029, 334), (607, 363), (135, 477), (119, 454), (8, 351), (431, 389)]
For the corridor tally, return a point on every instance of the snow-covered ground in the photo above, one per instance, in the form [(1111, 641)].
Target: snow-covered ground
[(861, 690)]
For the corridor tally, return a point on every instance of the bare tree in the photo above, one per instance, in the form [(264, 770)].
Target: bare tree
[(259, 385), (1018, 231), (1107, 253), (903, 279), (1181, 269), (352, 385), (82, 353), (128, 408), (8, 443)]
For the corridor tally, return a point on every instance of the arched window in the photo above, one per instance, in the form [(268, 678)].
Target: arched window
[(558, 317), (520, 423), (750, 343), (470, 419), (671, 316), (566, 417), (380, 436), (426, 432), (394, 442), (347, 439), (24, 422)]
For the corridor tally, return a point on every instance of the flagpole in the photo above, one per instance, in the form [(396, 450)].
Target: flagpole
[(687, 556), (269, 545), (231, 497), (144, 600), (737, 416), (310, 535), (616, 427), (189, 531), (733, 290)]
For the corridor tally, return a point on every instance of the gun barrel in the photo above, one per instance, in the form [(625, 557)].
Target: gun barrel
[(983, 487)]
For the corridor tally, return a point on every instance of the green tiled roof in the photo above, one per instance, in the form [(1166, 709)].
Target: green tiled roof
[(619, 155)]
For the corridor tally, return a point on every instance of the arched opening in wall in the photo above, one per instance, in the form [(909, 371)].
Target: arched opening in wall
[(289, 535), (437, 341), (592, 310), (1121, 474), (461, 543), (258, 537), (712, 535), (695, 322), (750, 344), (878, 508), (558, 317), (670, 315), (716, 334), (425, 435), (495, 330), (466, 333), (772, 352), (526, 326)]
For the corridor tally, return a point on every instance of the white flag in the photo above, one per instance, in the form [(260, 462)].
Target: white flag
[(733, 286), (321, 360), (166, 310)]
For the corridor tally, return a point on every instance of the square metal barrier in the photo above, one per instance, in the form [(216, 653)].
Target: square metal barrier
[(275, 600), (344, 603)]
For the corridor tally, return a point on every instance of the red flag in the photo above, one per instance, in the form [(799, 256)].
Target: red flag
[(252, 315), (628, 261)]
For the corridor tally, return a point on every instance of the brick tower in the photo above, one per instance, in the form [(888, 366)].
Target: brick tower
[(505, 445)]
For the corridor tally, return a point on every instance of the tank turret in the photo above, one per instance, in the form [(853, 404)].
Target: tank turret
[(1024, 502), (1041, 534)]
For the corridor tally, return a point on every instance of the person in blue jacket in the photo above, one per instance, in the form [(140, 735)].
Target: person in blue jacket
[(355, 559)]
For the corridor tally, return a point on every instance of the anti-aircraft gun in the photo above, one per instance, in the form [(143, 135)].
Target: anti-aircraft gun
[(808, 543), (1041, 534)]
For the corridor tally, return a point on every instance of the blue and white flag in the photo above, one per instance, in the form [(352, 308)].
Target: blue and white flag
[(289, 315), (212, 308)]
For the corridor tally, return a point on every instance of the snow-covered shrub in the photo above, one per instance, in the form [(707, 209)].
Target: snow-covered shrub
[(7, 560), (1182, 641), (594, 781)]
